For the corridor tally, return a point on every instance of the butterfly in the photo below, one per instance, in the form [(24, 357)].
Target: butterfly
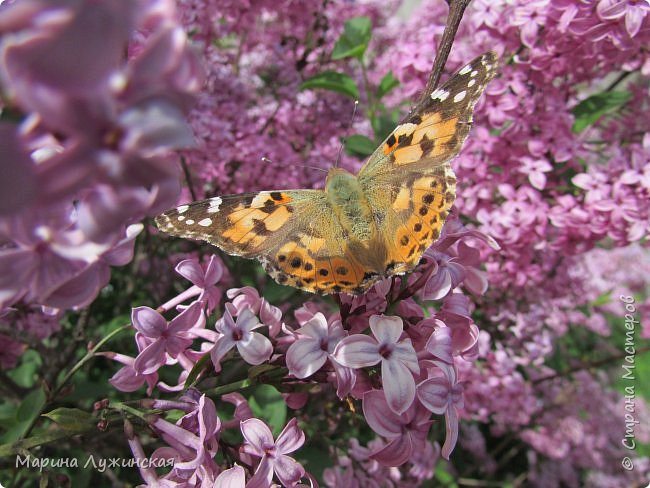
[(359, 228)]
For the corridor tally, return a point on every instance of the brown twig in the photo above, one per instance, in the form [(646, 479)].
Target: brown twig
[(188, 178), (456, 10), (589, 365)]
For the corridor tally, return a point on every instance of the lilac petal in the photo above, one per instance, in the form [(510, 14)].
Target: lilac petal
[(405, 354), (379, 416), (220, 349), (213, 271), (386, 329), (152, 358), (305, 357), (226, 324), (257, 435), (451, 424), (399, 385), (434, 394), (148, 321), (396, 452), (316, 327), (209, 423), (633, 21), (234, 477), (357, 351), (127, 379), (122, 253), (611, 11), (17, 267), (191, 270), (288, 470), (263, 475), (439, 344), (475, 281), (291, 438), (345, 379), (256, 350), (537, 180), (79, 290), (189, 318), (18, 181), (437, 286), (247, 321)]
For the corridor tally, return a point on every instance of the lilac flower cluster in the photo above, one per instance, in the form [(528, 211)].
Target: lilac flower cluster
[(86, 133), (404, 371)]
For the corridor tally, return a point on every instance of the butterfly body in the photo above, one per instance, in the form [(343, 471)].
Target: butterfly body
[(359, 228)]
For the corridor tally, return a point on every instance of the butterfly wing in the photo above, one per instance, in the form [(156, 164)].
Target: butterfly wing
[(410, 174), (293, 234)]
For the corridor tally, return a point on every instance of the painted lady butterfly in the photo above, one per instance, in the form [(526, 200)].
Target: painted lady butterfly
[(359, 228)]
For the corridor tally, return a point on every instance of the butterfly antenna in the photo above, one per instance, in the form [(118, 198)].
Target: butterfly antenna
[(347, 134), (267, 160)]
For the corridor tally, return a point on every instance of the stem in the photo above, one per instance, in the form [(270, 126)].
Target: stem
[(188, 178), (456, 10), (589, 365), (89, 355)]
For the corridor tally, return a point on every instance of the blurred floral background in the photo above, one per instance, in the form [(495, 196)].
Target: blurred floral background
[(517, 346)]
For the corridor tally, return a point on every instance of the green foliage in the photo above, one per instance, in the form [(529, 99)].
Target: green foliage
[(354, 40), (27, 411), (71, 418), (387, 83), (267, 403), (593, 108), (333, 81), (359, 145)]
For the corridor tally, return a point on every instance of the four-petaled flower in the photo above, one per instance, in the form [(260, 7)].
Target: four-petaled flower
[(398, 359), (253, 347), (161, 337), (260, 443)]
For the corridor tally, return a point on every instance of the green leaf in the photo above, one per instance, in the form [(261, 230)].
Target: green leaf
[(593, 108), (71, 418), (384, 124), (31, 406), (354, 40), (333, 81), (359, 145), (197, 369), (266, 402), (603, 299), (26, 412), (387, 83)]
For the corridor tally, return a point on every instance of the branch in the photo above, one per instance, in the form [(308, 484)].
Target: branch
[(456, 10)]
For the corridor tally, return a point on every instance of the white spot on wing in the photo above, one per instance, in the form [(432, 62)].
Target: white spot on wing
[(182, 208), (189, 222), (181, 218), (440, 94), (405, 128), (471, 83), (214, 205), (205, 222), (473, 73), (465, 70), (460, 96)]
